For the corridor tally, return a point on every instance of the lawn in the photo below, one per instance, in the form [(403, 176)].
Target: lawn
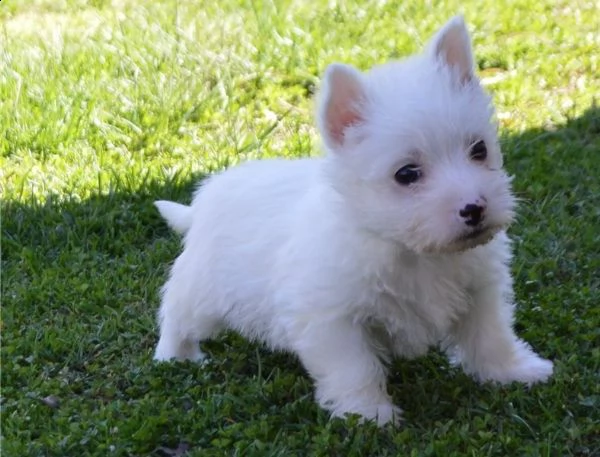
[(106, 106)]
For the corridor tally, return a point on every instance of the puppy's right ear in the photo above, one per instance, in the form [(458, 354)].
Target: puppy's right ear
[(341, 103), (452, 46)]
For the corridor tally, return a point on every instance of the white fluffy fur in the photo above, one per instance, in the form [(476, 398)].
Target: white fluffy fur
[(334, 260)]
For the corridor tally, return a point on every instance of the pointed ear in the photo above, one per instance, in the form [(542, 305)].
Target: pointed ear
[(452, 46), (341, 103)]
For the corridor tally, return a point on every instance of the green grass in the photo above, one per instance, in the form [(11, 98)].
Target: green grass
[(106, 106)]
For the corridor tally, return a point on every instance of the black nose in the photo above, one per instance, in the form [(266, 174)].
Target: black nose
[(472, 214)]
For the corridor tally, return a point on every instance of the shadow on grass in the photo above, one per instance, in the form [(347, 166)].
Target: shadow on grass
[(80, 285)]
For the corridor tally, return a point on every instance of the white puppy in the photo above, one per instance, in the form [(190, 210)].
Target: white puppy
[(390, 244)]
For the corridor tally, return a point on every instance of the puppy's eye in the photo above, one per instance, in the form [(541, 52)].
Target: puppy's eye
[(479, 151), (408, 174)]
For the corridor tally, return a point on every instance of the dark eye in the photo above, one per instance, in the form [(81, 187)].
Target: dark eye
[(408, 174), (479, 151)]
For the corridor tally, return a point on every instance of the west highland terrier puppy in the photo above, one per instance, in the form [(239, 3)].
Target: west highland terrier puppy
[(391, 243)]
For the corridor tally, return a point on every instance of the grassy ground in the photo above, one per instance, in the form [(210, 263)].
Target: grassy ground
[(106, 106)]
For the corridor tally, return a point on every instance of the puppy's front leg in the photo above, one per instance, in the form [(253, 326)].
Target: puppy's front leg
[(349, 377), (486, 345)]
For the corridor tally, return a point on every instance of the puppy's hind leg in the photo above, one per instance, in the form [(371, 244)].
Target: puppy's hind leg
[(176, 343), (183, 323)]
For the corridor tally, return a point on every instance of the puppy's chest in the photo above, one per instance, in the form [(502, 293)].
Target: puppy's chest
[(414, 306)]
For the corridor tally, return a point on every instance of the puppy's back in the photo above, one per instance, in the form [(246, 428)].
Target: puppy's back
[(241, 218)]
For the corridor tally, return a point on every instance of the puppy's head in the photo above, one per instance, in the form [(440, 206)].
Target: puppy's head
[(412, 148)]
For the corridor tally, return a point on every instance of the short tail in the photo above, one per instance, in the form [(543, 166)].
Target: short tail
[(179, 217)]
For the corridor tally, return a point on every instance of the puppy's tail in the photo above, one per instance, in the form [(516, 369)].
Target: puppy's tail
[(179, 217)]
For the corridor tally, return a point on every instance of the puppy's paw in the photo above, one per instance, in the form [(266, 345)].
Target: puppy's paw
[(526, 367), (381, 413), (387, 413), (167, 351), (529, 370), (198, 357)]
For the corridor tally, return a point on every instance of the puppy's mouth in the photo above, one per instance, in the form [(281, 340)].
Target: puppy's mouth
[(474, 234), (476, 237)]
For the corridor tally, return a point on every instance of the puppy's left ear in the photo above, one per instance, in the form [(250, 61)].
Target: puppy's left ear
[(341, 104), (452, 46)]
